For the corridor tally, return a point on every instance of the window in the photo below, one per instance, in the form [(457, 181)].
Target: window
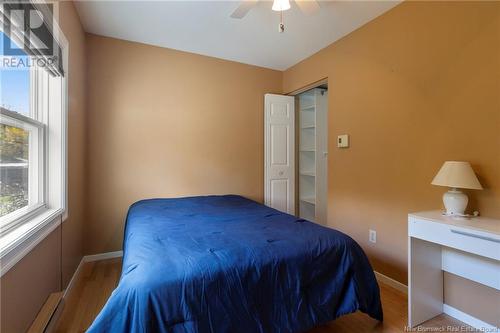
[(21, 166), (32, 135), (22, 139)]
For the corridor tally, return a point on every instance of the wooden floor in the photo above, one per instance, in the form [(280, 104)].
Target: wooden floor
[(98, 279)]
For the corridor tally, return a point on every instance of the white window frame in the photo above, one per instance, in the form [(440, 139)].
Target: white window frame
[(24, 232), (36, 167)]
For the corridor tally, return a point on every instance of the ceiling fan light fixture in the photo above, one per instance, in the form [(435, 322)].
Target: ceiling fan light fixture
[(280, 5)]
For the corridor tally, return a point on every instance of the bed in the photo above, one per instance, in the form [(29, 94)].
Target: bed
[(228, 264)]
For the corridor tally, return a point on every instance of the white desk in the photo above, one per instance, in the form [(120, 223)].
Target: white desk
[(469, 248)]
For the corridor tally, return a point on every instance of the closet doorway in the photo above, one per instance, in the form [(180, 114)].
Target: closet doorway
[(296, 152), (312, 153)]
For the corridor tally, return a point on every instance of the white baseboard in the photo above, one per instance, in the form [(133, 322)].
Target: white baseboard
[(89, 258), (71, 283), (52, 324), (103, 256), (391, 282), (468, 319)]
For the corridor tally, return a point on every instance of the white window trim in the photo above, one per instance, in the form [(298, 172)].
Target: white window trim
[(19, 241), (37, 151)]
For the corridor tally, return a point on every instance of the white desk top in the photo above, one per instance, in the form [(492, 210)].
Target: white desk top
[(479, 223)]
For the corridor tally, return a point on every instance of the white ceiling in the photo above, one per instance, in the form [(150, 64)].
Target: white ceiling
[(204, 27)]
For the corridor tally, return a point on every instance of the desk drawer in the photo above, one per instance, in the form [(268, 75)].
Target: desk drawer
[(472, 241)]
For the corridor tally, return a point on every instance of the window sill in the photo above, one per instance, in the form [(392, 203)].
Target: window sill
[(21, 240)]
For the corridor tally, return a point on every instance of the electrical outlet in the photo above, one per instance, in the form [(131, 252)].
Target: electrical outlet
[(372, 236)]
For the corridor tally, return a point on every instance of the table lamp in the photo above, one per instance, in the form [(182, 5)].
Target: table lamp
[(456, 174)]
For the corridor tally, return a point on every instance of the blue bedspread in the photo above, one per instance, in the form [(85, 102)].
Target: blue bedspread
[(228, 264)]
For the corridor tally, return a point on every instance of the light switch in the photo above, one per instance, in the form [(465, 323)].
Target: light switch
[(343, 141)]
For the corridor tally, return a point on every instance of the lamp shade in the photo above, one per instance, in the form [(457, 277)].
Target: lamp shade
[(279, 5), (457, 174)]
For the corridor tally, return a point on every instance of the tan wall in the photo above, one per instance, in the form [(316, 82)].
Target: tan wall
[(473, 298), (27, 285), (413, 88), (164, 123)]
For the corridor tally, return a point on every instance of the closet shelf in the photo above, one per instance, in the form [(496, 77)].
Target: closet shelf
[(309, 200), (306, 149), (308, 108), (308, 173), (308, 126)]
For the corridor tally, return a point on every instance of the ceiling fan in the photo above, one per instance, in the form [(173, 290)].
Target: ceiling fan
[(307, 6)]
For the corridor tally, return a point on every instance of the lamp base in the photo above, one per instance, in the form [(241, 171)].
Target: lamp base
[(455, 202)]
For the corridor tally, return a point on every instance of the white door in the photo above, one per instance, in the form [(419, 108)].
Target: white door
[(279, 152)]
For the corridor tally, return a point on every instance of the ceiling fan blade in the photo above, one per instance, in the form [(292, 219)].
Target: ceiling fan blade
[(243, 8), (308, 7)]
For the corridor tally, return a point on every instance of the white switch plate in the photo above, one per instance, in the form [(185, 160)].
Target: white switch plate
[(372, 236), (343, 141)]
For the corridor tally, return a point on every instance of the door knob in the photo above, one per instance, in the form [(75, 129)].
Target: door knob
[(280, 173)]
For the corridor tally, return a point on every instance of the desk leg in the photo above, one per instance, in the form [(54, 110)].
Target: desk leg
[(425, 281)]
